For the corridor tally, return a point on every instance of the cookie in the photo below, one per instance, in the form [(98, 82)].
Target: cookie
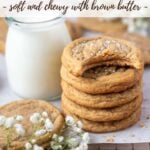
[(3, 32), (26, 108), (100, 127), (85, 53), (103, 79), (140, 41), (100, 100), (102, 25), (74, 30), (109, 114)]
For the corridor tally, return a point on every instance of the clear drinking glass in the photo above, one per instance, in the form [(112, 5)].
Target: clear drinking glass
[(33, 56)]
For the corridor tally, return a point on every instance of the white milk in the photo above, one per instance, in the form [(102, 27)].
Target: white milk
[(33, 59)]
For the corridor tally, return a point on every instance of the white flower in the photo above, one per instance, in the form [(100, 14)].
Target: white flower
[(55, 146), (78, 130), (9, 122), (35, 117), (79, 124), (36, 147), (40, 132), (73, 142), (17, 125), (20, 130), (33, 141), (69, 121), (83, 146), (54, 136), (45, 114), (60, 139), (28, 146), (41, 120), (49, 125), (19, 117), (2, 120), (85, 137)]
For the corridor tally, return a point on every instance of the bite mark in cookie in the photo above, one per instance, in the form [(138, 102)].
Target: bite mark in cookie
[(85, 53), (102, 79)]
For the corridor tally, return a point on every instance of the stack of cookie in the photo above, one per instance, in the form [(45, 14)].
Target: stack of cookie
[(101, 82)]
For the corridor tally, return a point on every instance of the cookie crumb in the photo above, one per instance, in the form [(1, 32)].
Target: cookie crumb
[(132, 135), (141, 124), (148, 117), (110, 139)]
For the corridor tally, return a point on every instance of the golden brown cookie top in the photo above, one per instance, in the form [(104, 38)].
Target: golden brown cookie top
[(85, 53), (28, 108)]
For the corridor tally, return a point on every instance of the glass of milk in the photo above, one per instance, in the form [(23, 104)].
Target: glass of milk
[(33, 56)]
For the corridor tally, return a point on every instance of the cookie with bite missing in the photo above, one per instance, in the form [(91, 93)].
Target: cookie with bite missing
[(102, 115), (26, 108), (85, 53), (100, 100)]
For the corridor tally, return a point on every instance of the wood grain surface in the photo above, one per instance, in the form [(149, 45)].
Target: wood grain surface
[(145, 146)]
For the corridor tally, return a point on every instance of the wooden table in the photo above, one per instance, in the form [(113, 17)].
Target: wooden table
[(145, 146)]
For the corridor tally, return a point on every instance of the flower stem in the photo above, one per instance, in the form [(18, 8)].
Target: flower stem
[(8, 139)]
